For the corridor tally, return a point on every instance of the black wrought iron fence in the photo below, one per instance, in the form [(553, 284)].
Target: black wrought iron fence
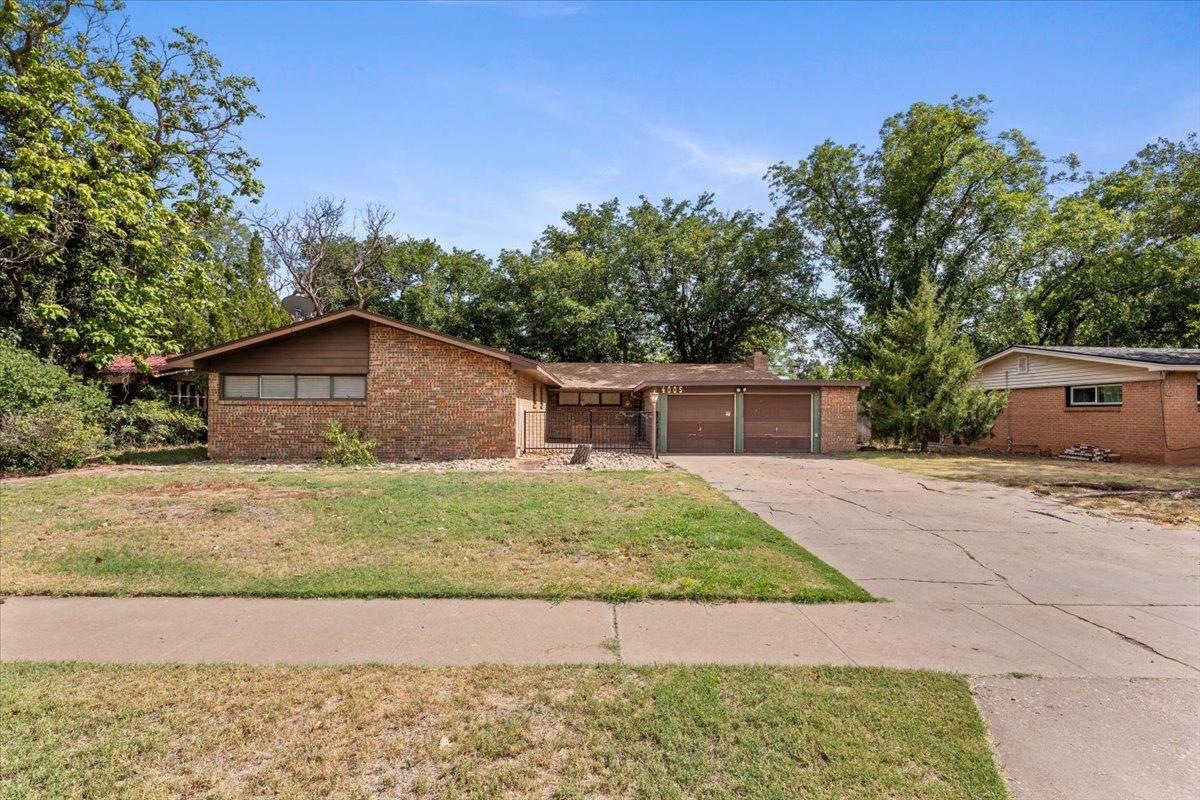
[(604, 429)]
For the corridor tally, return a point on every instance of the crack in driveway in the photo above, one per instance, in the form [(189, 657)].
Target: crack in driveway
[(1126, 637)]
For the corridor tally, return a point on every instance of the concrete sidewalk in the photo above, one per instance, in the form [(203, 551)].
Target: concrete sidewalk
[(976, 639)]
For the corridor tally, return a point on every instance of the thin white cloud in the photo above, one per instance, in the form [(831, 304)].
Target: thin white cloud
[(602, 113), (726, 164)]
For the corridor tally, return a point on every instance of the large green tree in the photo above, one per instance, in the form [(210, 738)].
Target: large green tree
[(233, 294), (571, 292), (1121, 256), (922, 372), (115, 152), (676, 280), (940, 196)]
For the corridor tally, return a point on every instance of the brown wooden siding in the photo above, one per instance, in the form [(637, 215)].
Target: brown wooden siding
[(340, 349)]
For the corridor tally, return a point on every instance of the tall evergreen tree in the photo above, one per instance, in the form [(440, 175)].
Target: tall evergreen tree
[(922, 371)]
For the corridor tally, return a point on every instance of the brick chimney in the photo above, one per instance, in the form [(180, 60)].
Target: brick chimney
[(758, 361)]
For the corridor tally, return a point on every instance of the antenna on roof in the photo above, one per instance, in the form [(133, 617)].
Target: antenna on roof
[(1108, 338), (299, 306)]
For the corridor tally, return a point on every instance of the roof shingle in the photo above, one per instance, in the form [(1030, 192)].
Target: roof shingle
[(601, 375), (1150, 355)]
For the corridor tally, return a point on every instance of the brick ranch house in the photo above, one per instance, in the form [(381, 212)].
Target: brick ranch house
[(1141, 403), (426, 395)]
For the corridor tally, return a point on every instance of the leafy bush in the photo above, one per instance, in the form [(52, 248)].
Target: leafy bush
[(348, 448), (149, 423), (27, 383), (49, 419), (50, 437)]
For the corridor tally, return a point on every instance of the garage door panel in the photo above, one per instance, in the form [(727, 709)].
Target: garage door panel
[(700, 424), (778, 423)]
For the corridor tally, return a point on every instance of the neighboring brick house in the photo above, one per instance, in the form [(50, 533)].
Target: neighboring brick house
[(1141, 403), (426, 395)]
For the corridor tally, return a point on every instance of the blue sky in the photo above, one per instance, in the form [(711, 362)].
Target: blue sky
[(480, 123)]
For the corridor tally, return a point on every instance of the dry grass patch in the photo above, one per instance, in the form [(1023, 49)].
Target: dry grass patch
[(207, 530), (74, 731), (1043, 475)]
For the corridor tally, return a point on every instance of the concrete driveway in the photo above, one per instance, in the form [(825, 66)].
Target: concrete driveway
[(1092, 591)]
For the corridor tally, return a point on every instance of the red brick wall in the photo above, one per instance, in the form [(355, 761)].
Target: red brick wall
[(1139, 429), (275, 430), (1181, 415), (531, 396), (839, 418), (432, 400), (425, 400)]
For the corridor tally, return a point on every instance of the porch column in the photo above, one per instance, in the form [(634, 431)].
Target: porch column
[(654, 423)]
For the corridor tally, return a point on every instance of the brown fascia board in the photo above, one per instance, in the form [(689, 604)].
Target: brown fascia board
[(783, 382), (189, 360)]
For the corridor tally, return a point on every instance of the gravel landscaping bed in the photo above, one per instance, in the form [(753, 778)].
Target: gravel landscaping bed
[(546, 463)]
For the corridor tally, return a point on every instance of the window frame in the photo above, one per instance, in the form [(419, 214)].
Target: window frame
[(580, 403), (295, 398), (1097, 402)]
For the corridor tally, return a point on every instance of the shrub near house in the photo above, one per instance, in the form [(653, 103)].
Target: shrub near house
[(49, 419)]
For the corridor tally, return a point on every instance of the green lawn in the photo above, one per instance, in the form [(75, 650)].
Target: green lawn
[(308, 532), (735, 733)]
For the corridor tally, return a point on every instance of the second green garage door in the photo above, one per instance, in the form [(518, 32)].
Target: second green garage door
[(777, 423)]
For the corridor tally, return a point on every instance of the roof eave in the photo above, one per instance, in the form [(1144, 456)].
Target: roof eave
[(1150, 366), (192, 360)]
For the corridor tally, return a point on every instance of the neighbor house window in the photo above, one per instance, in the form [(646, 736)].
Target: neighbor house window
[(294, 387), (589, 398), (1022, 365), (1094, 395)]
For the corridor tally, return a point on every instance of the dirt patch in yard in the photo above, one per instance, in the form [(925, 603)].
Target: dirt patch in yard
[(1083, 484)]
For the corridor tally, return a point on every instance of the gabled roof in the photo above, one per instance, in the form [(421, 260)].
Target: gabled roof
[(595, 375), (1150, 358), (188, 360), (589, 376)]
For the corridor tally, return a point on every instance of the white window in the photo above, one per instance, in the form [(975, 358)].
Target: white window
[(241, 386), (277, 387), (1109, 395), (349, 387), (313, 387), (1022, 365)]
